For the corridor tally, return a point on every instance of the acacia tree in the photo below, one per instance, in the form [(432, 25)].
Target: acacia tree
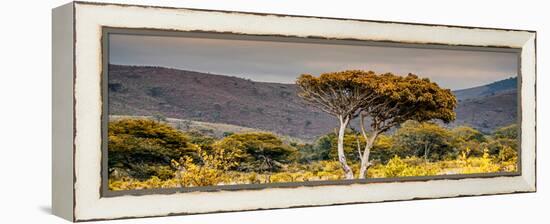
[(340, 94), (387, 100), (398, 99)]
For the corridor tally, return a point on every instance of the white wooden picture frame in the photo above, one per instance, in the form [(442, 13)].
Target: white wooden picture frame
[(78, 30)]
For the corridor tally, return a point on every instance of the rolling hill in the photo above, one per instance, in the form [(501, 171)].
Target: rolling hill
[(489, 106), (212, 98), (495, 88)]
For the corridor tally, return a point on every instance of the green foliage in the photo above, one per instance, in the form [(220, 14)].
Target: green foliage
[(230, 151), (212, 166), (208, 174), (329, 170), (144, 148), (466, 133), (291, 177), (504, 143), (227, 133), (468, 141), (265, 152), (396, 167), (508, 132), (427, 140), (383, 149), (352, 140), (323, 146), (496, 145), (482, 164), (507, 154), (134, 184), (307, 153), (203, 141)]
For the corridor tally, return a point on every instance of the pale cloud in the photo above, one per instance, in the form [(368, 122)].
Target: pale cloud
[(283, 61)]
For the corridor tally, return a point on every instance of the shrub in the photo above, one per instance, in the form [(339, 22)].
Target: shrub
[(482, 164), (468, 141), (507, 154), (396, 167), (291, 177), (145, 147), (191, 174), (207, 173), (212, 167), (264, 152), (495, 146), (205, 142), (424, 139), (330, 170), (382, 150), (509, 132), (151, 183)]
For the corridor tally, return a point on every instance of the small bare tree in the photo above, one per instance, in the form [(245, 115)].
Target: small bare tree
[(340, 94)]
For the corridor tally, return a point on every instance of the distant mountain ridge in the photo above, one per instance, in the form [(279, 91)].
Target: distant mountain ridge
[(180, 94), (505, 85)]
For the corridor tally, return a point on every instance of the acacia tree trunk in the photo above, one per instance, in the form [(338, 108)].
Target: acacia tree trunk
[(366, 153), (341, 156), (365, 157)]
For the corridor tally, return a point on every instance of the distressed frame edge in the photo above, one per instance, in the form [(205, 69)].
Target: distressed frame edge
[(529, 62), (529, 190), (62, 77), (298, 16), (302, 206)]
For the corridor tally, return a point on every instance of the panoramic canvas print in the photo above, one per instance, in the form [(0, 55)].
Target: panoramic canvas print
[(188, 112)]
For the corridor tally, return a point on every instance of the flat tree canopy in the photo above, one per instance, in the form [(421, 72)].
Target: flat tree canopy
[(337, 93), (401, 98)]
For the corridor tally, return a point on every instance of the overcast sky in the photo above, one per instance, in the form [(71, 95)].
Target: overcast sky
[(282, 62)]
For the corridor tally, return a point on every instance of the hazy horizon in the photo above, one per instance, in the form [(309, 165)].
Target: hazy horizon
[(282, 62)]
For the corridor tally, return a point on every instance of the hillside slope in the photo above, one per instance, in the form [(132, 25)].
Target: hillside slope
[(213, 98), (495, 88), (145, 91), (488, 112)]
